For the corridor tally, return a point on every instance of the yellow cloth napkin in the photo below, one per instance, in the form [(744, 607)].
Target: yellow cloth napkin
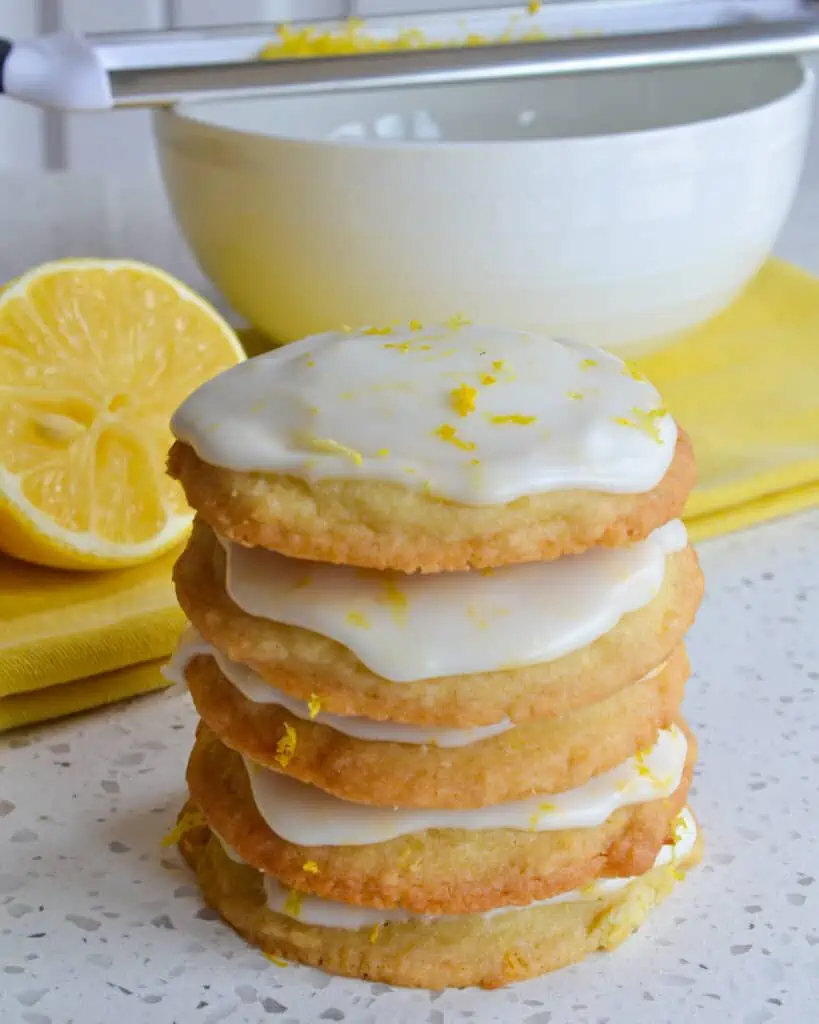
[(746, 388), (70, 641)]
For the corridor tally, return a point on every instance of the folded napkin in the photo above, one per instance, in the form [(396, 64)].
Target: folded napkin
[(746, 388), (70, 641)]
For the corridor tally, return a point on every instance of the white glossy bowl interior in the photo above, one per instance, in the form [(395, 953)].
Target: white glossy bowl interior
[(614, 208)]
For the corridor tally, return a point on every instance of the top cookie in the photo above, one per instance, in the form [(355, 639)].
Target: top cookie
[(431, 449)]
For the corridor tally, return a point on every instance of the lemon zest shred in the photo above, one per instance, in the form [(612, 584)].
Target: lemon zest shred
[(533, 6), (587, 364), (515, 418), (188, 821), (314, 705), (630, 370), (277, 960), (464, 399), (292, 905), (448, 433), (497, 365), (376, 928), (645, 420), (382, 453), (358, 619), (395, 598), (310, 867), (286, 746), (575, 395), (399, 346), (377, 330), (488, 380), (331, 447), (455, 323), (416, 325), (513, 963)]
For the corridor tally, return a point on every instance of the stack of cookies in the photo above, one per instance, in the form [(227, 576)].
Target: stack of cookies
[(438, 590)]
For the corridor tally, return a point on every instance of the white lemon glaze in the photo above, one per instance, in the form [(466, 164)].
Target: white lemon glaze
[(408, 628), (307, 816), (332, 914), (477, 415), (252, 686)]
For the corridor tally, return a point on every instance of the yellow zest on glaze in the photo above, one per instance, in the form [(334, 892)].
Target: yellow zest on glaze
[(448, 433), (629, 370), (587, 364), (376, 928), (330, 447), (497, 365), (399, 346), (310, 867), (277, 960), (575, 395), (313, 705), (377, 330), (190, 820), (488, 380), (358, 619), (382, 453), (416, 325), (645, 420), (292, 905), (396, 599), (463, 399), (456, 322), (311, 362), (516, 418), (286, 747)]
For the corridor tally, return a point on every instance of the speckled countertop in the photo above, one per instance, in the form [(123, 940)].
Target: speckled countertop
[(98, 925)]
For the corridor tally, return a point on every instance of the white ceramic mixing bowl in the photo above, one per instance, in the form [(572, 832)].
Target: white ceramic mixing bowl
[(611, 208)]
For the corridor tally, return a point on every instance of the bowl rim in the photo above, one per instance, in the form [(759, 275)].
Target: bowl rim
[(178, 115)]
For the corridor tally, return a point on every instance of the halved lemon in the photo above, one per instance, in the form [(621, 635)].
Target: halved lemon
[(95, 355)]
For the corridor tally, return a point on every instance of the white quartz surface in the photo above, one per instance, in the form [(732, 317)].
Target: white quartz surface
[(99, 926)]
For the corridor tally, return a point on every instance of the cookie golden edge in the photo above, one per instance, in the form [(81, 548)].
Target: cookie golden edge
[(302, 663), (546, 756), (450, 871), (486, 952), (381, 525)]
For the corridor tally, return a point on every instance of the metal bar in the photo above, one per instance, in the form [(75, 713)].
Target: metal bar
[(162, 86)]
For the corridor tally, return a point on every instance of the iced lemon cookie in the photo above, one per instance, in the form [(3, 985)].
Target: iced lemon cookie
[(437, 951), (440, 448), (389, 764), (443, 861), (457, 649)]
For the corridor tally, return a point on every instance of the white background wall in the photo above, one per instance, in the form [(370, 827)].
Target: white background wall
[(120, 142)]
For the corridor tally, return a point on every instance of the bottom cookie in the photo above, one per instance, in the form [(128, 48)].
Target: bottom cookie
[(489, 950)]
